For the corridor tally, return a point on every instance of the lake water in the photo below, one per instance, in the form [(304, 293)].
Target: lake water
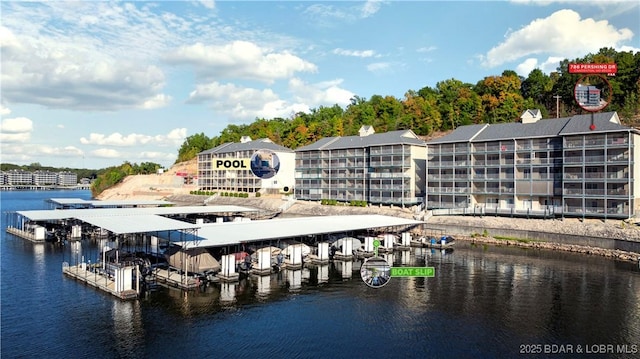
[(484, 302)]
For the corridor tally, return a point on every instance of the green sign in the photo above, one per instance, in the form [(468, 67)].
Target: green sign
[(413, 272)]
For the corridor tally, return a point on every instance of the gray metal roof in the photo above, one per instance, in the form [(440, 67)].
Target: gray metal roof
[(460, 134), (605, 122), (261, 144), (377, 139), (542, 128), (222, 234)]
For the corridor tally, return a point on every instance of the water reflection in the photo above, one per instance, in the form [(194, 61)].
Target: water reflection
[(128, 329)]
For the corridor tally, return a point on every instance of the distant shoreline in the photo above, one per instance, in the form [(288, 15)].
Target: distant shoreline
[(43, 188)]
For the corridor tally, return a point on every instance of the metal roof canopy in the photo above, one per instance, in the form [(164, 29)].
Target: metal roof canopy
[(59, 214), (137, 224), (94, 203), (223, 234)]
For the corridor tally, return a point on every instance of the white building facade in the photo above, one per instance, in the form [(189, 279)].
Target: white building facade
[(212, 178)]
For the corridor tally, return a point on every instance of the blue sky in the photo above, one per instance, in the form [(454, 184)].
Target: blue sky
[(94, 84)]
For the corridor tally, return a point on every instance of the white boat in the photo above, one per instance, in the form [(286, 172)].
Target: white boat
[(356, 243)]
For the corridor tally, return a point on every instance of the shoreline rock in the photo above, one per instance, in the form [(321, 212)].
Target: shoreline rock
[(607, 253)]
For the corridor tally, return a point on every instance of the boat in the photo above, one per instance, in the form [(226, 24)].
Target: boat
[(444, 242)]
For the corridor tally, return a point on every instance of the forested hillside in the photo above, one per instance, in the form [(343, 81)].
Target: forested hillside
[(451, 103)]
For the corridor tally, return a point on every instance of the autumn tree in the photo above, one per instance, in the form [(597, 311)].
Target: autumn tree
[(501, 98)]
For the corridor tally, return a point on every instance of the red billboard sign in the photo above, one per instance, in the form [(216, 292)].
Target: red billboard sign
[(593, 68)]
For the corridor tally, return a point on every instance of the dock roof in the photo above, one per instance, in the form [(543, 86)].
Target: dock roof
[(133, 220), (79, 202), (223, 234)]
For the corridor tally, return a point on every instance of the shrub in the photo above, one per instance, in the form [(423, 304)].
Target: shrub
[(257, 194)]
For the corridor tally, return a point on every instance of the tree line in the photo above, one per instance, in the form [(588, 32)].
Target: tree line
[(448, 105)]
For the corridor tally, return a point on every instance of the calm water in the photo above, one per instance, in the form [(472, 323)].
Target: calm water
[(485, 302)]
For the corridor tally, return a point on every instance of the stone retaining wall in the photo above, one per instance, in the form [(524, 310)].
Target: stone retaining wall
[(566, 239)]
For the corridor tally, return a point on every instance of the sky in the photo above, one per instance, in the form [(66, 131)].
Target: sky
[(94, 84)]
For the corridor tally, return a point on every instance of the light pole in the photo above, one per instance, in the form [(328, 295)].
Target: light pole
[(557, 97)]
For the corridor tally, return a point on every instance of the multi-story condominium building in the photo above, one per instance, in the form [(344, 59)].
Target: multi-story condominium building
[(212, 177), (577, 166), (19, 177), (45, 178), (386, 168), (67, 179)]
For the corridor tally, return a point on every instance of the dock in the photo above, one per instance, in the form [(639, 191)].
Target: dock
[(91, 275), (175, 279), (200, 232)]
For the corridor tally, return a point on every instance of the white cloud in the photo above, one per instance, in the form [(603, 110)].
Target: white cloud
[(244, 104), (15, 130), (86, 55), (378, 66), (106, 153), (16, 125), (370, 8), (324, 93), (427, 49), (563, 34), (174, 137), (526, 67), (326, 15), (67, 151), (152, 155), (4, 110), (551, 64), (209, 4), (34, 152), (239, 59), (354, 53)]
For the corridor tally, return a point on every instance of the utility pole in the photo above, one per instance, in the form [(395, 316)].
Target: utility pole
[(557, 97)]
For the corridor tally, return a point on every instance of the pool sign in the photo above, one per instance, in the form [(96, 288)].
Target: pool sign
[(234, 164)]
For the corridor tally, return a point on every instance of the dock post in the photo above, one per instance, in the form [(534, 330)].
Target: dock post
[(323, 251), (368, 244), (228, 272)]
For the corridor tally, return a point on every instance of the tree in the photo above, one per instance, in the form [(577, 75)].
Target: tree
[(537, 86), (501, 98), (420, 114), (193, 145)]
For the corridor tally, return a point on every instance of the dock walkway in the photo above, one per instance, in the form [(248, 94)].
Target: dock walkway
[(175, 279), (95, 278)]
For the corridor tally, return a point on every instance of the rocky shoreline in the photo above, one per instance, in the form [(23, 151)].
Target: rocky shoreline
[(607, 253)]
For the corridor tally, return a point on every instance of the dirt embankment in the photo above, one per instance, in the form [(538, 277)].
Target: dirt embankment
[(155, 186)]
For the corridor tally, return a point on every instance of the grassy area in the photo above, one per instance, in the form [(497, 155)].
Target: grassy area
[(521, 240)]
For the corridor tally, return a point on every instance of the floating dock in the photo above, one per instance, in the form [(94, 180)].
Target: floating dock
[(204, 228), (119, 285)]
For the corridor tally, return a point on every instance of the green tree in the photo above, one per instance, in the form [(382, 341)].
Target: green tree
[(193, 145)]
